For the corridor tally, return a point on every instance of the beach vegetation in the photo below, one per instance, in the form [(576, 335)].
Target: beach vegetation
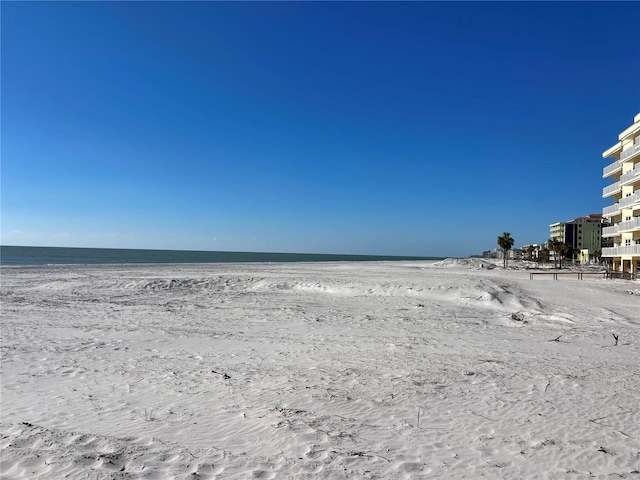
[(505, 241), (571, 253), (544, 256), (560, 249)]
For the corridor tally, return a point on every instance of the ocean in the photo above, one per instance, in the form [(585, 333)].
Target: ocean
[(12, 255)]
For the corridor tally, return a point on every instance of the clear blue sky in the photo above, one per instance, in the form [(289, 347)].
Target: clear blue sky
[(415, 128)]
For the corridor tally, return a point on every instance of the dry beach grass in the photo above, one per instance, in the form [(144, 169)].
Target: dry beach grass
[(332, 370)]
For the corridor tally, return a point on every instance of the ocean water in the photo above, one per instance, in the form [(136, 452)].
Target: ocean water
[(10, 255)]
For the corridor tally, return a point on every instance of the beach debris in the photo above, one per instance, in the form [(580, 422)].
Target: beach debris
[(616, 337), (597, 422), (224, 375), (479, 415), (517, 316), (357, 453), (557, 339)]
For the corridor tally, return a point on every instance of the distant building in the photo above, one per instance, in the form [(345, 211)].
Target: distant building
[(624, 214), (582, 234), (515, 254), (557, 231), (532, 251)]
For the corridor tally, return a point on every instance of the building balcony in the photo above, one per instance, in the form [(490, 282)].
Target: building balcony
[(630, 177), (611, 210), (624, 250), (631, 151), (627, 202), (612, 169), (611, 190), (630, 225)]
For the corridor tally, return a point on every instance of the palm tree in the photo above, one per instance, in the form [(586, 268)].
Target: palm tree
[(571, 253), (554, 246), (565, 248), (506, 243), (543, 255), (559, 249)]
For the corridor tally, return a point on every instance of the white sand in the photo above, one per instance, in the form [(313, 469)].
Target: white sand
[(337, 370)]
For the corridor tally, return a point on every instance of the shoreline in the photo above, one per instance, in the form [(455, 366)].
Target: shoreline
[(15, 255)]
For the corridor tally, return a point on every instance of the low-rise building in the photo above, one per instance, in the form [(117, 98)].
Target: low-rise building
[(532, 251), (515, 254)]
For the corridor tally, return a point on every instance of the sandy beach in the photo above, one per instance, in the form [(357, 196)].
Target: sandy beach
[(386, 370)]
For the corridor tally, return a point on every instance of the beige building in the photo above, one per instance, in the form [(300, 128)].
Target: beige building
[(557, 231), (624, 214)]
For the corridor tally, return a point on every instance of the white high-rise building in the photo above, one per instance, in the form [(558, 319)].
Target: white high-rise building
[(624, 214)]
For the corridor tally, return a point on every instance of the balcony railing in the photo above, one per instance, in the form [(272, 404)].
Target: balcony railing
[(611, 210), (611, 169), (622, 250), (629, 225), (630, 200), (631, 176), (635, 148), (611, 190)]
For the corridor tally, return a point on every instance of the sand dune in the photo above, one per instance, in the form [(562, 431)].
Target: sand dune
[(335, 370)]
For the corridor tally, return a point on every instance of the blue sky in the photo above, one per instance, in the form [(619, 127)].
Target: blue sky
[(414, 128)]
